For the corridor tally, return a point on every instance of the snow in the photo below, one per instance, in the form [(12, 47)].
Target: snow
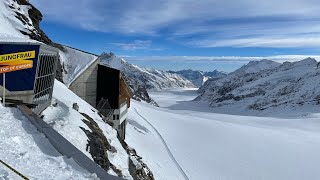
[(208, 145), (256, 66), (75, 62), (11, 25), (68, 121), (29, 152), (9, 29), (146, 77), (199, 77), (287, 89)]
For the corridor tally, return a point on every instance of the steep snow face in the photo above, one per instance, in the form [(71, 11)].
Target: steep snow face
[(277, 87), (11, 26), (24, 148), (74, 62), (199, 77), (69, 123), (20, 22), (149, 78)]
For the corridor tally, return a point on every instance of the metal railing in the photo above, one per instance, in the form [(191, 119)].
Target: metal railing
[(104, 108), (44, 82)]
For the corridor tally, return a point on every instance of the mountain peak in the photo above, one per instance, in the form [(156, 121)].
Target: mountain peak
[(309, 59), (256, 66)]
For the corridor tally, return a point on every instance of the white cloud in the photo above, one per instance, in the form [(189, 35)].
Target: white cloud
[(214, 23), (206, 63), (135, 45), (275, 42), (220, 59)]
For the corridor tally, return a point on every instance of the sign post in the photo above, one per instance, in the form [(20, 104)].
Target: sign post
[(14, 62), (4, 90)]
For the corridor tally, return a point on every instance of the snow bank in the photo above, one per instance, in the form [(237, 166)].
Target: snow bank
[(68, 121), (29, 152)]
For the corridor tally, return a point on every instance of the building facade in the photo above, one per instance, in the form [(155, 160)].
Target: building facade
[(105, 88), (35, 84)]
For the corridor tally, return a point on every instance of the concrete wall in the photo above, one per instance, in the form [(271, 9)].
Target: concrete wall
[(25, 96), (85, 86)]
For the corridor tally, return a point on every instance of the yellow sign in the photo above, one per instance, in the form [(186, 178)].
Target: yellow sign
[(16, 61), (17, 56)]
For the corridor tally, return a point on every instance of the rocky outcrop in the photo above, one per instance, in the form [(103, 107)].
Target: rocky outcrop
[(36, 17), (98, 145), (31, 21), (137, 168), (140, 92)]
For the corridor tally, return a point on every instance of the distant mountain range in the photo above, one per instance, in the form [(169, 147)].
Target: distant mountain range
[(142, 79), (265, 85), (198, 78)]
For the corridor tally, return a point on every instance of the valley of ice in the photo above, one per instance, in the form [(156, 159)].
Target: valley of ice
[(183, 139)]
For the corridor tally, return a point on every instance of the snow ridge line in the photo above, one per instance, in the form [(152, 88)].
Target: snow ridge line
[(166, 146)]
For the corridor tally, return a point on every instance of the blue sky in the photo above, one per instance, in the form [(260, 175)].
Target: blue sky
[(182, 34)]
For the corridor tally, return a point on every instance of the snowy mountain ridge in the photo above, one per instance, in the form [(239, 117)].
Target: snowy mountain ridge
[(148, 77), (198, 78), (256, 66), (20, 22), (141, 80), (265, 85)]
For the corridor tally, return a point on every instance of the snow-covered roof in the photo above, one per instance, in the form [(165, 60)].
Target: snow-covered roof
[(75, 62)]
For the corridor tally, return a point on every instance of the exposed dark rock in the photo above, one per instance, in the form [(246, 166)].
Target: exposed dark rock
[(35, 16), (37, 33), (226, 88), (137, 168), (258, 92), (140, 92), (98, 145), (75, 106), (59, 74)]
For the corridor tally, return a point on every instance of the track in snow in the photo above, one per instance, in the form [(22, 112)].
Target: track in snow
[(165, 144)]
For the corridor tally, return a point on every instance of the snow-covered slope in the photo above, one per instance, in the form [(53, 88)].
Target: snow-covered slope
[(256, 66), (13, 26), (266, 85), (199, 77), (149, 78), (19, 21), (30, 153), (74, 62), (73, 125), (207, 145)]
